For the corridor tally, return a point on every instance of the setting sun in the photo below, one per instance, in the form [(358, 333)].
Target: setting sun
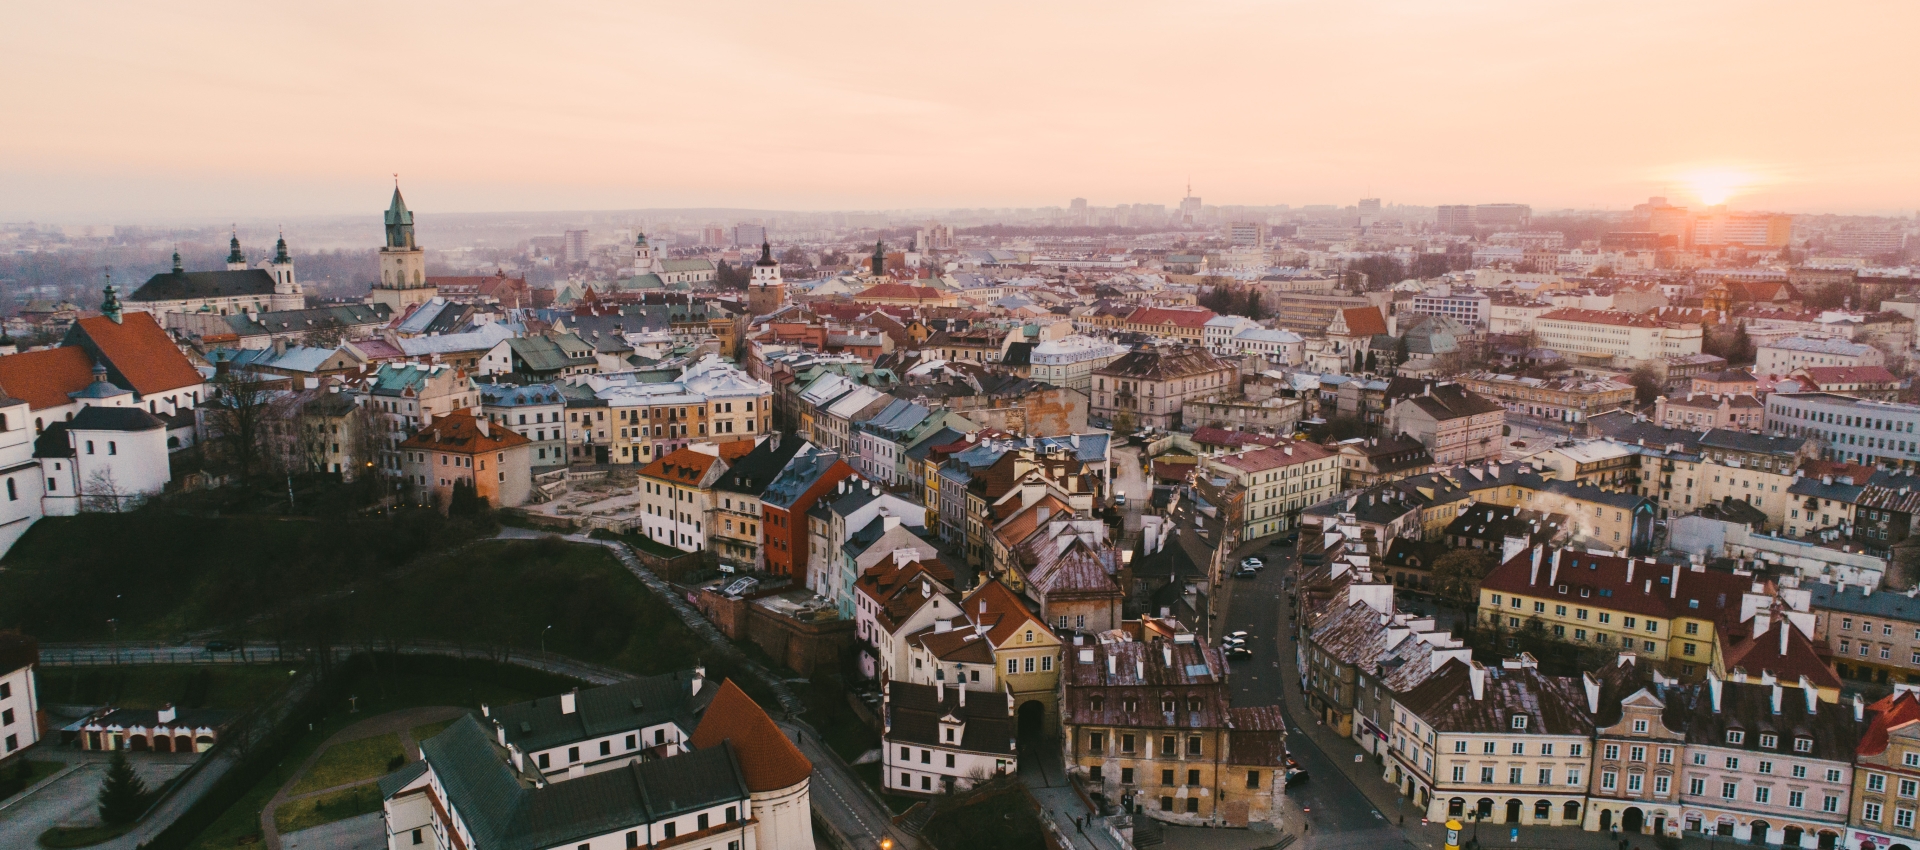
[(1713, 186)]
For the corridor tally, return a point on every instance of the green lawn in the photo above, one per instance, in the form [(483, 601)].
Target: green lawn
[(17, 780), (351, 761), (238, 828), (428, 730), (80, 836), (161, 575), (326, 808), (514, 593), (232, 686)]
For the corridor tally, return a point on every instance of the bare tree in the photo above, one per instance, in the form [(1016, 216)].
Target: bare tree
[(101, 494), (242, 417)]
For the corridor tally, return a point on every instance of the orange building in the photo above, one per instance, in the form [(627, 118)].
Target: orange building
[(460, 446)]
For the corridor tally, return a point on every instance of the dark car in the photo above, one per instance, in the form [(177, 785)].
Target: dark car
[(1296, 776), (221, 646)]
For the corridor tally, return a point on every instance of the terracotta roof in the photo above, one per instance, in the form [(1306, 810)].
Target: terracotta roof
[(1898, 709), (1191, 319), (1261, 460), (460, 433), (895, 588), (139, 352), (767, 759), (1603, 317), (1004, 612), (1364, 321), (1022, 524), (1848, 374), (901, 291), (1602, 581), (43, 378), (684, 466), (1762, 652)]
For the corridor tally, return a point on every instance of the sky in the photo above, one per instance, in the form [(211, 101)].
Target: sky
[(116, 111)]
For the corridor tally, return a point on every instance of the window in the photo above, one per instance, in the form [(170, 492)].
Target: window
[(1833, 775), (1766, 767), (1166, 777), (1876, 782), (1546, 776), (1729, 790), (1459, 773), (1830, 803), (1640, 727), (1870, 812), (1735, 736), (1903, 818), (1908, 787), (1486, 775), (1769, 741), (1666, 755), (1762, 794), (1661, 784), (1459, 746), (1733, 763), (1253, 780), (1609, 780), (1519, 722), (1697, 786), (1519, 748), (1487, 748), (1513, 776), (543, 761), (1637, 753), (1610, 752)]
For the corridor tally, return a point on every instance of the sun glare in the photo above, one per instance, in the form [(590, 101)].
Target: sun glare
[(1713, 186)]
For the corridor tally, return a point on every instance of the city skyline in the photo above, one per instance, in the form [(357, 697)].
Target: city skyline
[(855, 106)]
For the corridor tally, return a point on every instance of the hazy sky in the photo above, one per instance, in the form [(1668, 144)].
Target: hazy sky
[(120, 110)]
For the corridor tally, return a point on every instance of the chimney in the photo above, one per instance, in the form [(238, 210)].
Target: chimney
[(166, 714), (1673, 587), (1110, 666), (1533, 575), (1713, 689), (1630, 562), (1478, 672), (962, 688), (519, 759), (1784, 628), (1140, 669), (499, 733), (699, 678), (1166, 655), (1812, 696), (1777, 691), (1593, 692), (568, 701), (1553, 574), (1859, 709), (939, 690)]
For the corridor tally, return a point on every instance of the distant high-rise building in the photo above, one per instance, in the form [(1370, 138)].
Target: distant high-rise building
[(1190, 207), (1077, 205), (713, 236), (573, 246), (1455, 218), (1666, 219), (1752, 229), (748, 235), (1502, 215), (1369, 205), (1247, 234)]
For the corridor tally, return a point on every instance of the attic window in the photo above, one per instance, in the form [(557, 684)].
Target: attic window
[(1098, 703), (1735, 736), (1693, 603), (1519, 721), (1769, 741), (1606, 591), (1586, 591), (1665, 579), (1803, 745), (1562, 588)]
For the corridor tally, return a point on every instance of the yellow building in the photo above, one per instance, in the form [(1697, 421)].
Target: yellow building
[(1662, 612)]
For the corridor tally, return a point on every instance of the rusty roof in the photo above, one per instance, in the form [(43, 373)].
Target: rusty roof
[(462, 433), (1553, 705)]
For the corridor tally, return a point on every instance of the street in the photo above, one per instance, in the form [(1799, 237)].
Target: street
[(1328, 810)]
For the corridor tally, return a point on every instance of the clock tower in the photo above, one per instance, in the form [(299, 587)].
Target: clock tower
[(766, 291), (403, 266)]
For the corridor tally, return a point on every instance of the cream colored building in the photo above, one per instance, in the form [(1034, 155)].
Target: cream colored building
[(1281, 482), (1614, 337)]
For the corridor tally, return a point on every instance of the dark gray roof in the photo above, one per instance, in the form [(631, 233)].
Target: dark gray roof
[(504, 810), (539, 724), (115, 419), (915, 714), (756, 469), (1857, 599), (1744, 441), (1748, 708), (173, 286)]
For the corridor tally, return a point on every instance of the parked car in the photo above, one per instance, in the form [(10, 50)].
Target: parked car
[(1237, 635), (1245, 572), (1252, 563), (1119, 500), (1296, 776), (1238, 651)]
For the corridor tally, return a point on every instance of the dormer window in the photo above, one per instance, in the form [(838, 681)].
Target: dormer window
[(1130, 704), (1640, 727), (1735, 736), (1166, 706), (1098, 703), (1803, 745), (1769, 741), (950, 732), (1029, 636), (1520, 721)]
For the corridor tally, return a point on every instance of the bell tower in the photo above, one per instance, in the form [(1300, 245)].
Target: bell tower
[(286, 290), (403, 266), (236, 261), (645, 261)]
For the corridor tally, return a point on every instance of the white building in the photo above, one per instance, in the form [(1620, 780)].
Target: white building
[(1220, 331), (19, 696), (1782, 356), (112, 460), (1069, 361), (1466, 305), (935, 741), (1280, 347)]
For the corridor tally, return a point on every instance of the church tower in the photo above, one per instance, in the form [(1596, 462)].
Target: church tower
[(766, 291), (236, 261), (286, 290), (645, 261), (403, 266), (879, 259)]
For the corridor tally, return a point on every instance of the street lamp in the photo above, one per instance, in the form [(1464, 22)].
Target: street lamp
[(543, 642), (886, 843)]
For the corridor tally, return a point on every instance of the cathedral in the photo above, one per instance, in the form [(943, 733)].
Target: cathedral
[(240, 288)]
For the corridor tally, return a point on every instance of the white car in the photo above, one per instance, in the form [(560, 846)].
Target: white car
[(1252, 563), (1237, 635)]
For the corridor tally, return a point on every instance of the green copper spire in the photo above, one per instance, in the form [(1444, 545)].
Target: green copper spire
[(177, 268), (110, 305), (399, 222), (280, 250), (234, 256)]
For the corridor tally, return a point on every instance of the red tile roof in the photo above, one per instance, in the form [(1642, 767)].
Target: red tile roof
[(1602, 582), (1261, 460), (1603, 317), (901, 291), (1190, 319), (142, 353), (1891, 711), (1364, 321), (1825, 375), (684, 466), (768, 761), (1763, 652), (43, 378), (1005, 613), (460, 433)]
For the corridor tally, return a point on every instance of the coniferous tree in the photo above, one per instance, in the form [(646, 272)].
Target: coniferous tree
[(122, 795)]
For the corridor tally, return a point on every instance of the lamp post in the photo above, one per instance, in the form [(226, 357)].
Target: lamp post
[(543, 642)]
